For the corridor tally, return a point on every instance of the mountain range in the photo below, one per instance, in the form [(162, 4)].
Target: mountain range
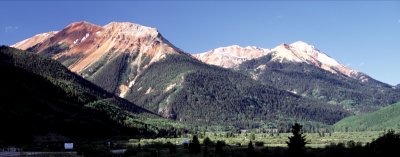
[(304, 70), (246, 87)]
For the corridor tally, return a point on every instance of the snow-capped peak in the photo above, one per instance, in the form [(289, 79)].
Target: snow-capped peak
[(311, 51), (297, 52), (302, 52), (302, 45)]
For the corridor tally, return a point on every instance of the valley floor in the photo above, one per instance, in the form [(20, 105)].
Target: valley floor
[(315, 140), (234, 145)]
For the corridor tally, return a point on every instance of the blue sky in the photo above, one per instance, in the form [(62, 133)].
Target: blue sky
[(364, 35)]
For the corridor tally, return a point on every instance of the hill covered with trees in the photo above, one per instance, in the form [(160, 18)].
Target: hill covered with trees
[(383, 119), (312, 82), (190, 91), (41, 99)]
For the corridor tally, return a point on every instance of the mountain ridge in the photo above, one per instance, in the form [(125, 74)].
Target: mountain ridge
[(302, 69), (81, 45), (296, 52), (148, 70)]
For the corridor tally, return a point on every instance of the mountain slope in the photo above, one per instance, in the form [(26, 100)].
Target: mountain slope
[(302, 69), (383, 119), (190, 91), (313, 82), (138, 64), (40, 97), (25, 44)]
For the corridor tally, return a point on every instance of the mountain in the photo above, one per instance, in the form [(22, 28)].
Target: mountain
[(383, 119), (110, 56), (41, 99), (302, 69), (185, 89), (231, 56), (138, 64), (297, 52)]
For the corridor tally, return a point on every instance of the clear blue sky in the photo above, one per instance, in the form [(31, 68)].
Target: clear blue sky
[(363, 35)]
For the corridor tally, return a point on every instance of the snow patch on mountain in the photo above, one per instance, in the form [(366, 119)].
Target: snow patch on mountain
[(85, 37)]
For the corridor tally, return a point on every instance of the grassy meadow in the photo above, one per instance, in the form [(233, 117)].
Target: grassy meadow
[(314, 139)]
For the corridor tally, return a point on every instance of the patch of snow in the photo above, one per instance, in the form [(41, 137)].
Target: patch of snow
[(85, 37), (261, 67), (254, 76), (293, 91), (131, 83), (364, 79), (149, 90), (76, 41), (170, 87)]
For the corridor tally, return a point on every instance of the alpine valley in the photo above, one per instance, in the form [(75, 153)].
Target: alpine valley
[(232, 87)]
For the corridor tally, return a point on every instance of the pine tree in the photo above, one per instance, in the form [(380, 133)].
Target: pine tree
[(194, 146), (297, 142), (250, 149), (206, 142)]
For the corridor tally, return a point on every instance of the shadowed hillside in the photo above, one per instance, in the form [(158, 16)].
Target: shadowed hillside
[(42, 98)]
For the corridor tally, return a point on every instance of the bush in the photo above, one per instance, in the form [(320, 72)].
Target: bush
[(207, 142)]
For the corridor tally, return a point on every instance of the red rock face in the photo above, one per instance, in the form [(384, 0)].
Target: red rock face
[(73, 33), (91, 42), (82, 46)]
